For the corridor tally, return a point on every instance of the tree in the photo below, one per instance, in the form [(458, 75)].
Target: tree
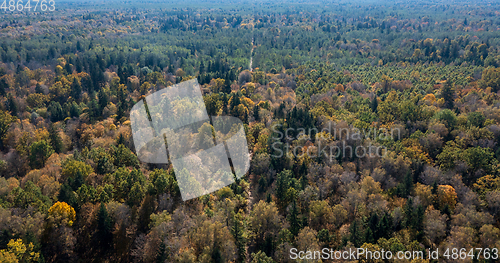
[(104, 163), (414, 218), (17, 251), (256, 110), (282, 186), (448, 94), (213, 242), (307, 240), (491, 78), (244, 77), (5, 120), (162, 255), (4, 86), (104, 228), (320, 214), (136, 195), (261, 257), (265, 222), (205, 137), (62, 213), (238, 234), (40, 151), (446, 196), (374, 104), (124, 156), (448, 118), (293, 218), (356, 233), (76, 89), (434, 225), (74, 110), (476, 119), (12, 104), (213, 104), (56, 111), (103, 99), (71, 168), (55, 140)]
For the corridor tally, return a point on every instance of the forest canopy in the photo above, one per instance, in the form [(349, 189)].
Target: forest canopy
[(72, 188)]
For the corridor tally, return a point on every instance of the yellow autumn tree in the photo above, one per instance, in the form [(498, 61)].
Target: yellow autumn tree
[(486, 183), (430, 97), (62, 213), (446, 195), (17, 251)]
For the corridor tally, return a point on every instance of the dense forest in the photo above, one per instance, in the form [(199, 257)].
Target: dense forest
[(72, 188)]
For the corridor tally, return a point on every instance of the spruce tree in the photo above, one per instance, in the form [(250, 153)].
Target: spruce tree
[(103, 99), (162, 255), (356, 234), (76, 89), (448, 94), (237, 232), (374, 104), (104, 227), (12, 105), (293, 218), (256, 116), (55, 139), (4, 86)]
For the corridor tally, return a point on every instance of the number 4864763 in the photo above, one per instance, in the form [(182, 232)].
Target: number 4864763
[(28, 5)]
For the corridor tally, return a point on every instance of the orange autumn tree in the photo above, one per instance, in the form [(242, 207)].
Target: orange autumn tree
[(446, 195)]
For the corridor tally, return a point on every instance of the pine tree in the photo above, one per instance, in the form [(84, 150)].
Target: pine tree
[(369, 236), (324, 236), (227, 86), (39, 152), (122, 102), (66, 194), (269, 198), (12, 105), (202, 67), (94, 110), (448, 94), (294, 220), (104, 227), (237, 232), (68, 68), (235, 101), (38, 88), (356, 234), (373, 224), (408, 212), (55, 139), (282, 185), (74, 110), (121, 139), (256, 109), (374, 104), (162, 255), (408, 184), (76, 89), (56, 111), (384, 226), (434, 188), (4, 86), (103, 99), (262, 184)]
